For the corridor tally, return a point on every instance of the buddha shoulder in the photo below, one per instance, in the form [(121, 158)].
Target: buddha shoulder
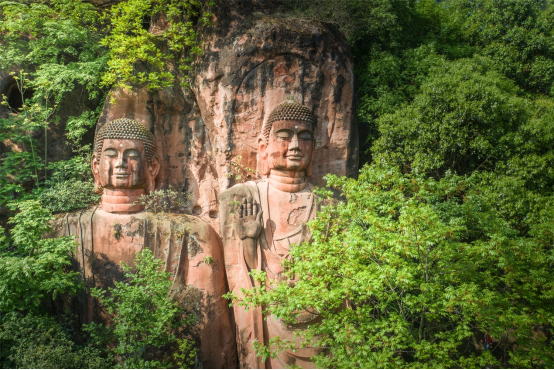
[(237, 192)]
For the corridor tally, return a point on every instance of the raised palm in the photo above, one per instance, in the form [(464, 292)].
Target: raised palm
[(249, 219)]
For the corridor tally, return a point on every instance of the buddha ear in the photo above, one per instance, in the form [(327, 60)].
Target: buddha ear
[(263, 164), (309, 169), (154, 168), (95, 166)]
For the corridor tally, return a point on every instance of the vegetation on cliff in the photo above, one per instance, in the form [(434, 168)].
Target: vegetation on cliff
[(64, 56), (446, 234)]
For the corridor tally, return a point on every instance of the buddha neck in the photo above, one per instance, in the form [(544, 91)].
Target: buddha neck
[(121, 200), (287, 181)]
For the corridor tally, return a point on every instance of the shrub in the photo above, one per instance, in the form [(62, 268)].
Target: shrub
[(145, 316), (42, 342), (69, 195)]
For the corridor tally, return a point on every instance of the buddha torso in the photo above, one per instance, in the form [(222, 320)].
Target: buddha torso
[(182, 242), (284, 219), (261, 221)]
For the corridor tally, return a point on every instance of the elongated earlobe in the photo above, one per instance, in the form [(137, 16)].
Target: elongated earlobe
[(154, 168), (263, 164), (309, 169), (95, 166)]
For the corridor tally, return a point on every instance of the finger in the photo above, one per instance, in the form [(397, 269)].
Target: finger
[(249, 206), (259, 217), (255, 208)]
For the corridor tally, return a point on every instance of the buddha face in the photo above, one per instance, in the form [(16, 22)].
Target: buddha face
[(123, 165), (290, 146)]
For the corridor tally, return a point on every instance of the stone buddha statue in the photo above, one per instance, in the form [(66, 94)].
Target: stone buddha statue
[(261, 220), (125, 165)]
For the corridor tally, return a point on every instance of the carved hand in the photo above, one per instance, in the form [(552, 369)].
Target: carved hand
[(249, 225), (249, 220)]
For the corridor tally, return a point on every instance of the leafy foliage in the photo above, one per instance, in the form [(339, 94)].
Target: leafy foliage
[(407, 269), (138, 56), (57, 39), (447, 234), (67, 50), (240, 173), (144, 313), (54, 46), (463, 119), (164, 201), (69, 195), (517, 35), (34, 268), (357, 19), (397, 43), (187, 355), (64, 55), (42, 342)]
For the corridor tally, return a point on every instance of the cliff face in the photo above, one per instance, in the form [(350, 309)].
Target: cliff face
[(250, 63)]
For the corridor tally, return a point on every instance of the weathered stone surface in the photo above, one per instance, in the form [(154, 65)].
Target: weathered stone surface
[(259, 63), (249, 64), (259, 222), (125, 165), (183, 242)]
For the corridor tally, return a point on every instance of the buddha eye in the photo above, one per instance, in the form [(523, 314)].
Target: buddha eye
[(132, 154), (284, 135), (110, 153), (306, 136)]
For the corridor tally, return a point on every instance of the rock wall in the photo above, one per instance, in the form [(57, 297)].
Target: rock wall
[(252, 60)]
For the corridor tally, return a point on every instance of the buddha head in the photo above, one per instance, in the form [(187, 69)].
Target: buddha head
[(125, 158), (287, 140)]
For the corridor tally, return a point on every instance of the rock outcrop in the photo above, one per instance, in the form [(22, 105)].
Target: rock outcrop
[(252, 60)]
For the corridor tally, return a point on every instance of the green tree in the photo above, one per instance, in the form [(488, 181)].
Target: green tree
[(54, 47), (42, 342), (516, 35), (468, 117), (57, 44), (33, 268), (139, 57), (144, 314), (34, 271), (406, 270), (463, 119)]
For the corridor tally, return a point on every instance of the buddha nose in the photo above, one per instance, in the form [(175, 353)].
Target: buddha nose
[(121, 163), (294, 143)]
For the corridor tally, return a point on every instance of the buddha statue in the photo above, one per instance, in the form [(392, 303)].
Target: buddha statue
[(125, 165), (261, 220)]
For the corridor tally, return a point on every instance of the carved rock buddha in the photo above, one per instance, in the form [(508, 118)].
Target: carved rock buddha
[(125, 165), (261, 220)]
